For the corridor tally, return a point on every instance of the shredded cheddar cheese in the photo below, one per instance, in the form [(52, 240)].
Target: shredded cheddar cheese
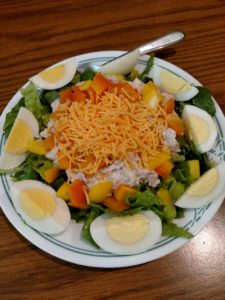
[(95, 134)]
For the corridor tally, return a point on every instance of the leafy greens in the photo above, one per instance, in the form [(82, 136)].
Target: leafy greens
[(32, 168), (33, 103), (171, 229), (204, 100), (149, 200)]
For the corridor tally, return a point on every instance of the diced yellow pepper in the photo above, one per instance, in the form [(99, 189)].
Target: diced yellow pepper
[(163, 156), (99, 191), (63, 191), (51, 174), (122, 191), (151, 95), (194, 168), (120, 77), (85, 85), (175, 123), (114, 204), (164, 169), (164, 195), (37, 147)]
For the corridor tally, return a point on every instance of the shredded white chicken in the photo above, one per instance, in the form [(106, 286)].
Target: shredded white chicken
[(169, 139), (119, 173)]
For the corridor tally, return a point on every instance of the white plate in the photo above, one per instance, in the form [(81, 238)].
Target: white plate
[(68, 246)]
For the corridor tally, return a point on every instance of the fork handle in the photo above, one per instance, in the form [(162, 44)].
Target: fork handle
[(162, 42)]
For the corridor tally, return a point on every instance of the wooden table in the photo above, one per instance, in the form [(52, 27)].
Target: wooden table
[(36, 34)]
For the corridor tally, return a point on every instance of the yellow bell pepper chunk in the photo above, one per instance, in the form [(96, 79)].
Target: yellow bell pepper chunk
[(37, 147), (164, 195), (51, 174), (122, 191), (151, 95), (114, 204), (120, 77), (163, 156), (85, 85), (194, 168), (63, 191), (100, 191)]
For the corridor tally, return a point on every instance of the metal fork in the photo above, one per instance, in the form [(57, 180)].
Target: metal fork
[(132, 57)]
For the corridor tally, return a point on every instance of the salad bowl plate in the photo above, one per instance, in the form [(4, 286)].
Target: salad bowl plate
[(69, 245)]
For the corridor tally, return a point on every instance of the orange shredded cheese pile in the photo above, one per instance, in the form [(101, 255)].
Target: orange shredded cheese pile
[(93, 135)]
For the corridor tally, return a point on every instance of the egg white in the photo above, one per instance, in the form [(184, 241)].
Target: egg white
[(155, 73), (187, 95), (191, 110), (53, 224), (188, 201), (122, 65), (102, 238), (70, 70), (10, 161)]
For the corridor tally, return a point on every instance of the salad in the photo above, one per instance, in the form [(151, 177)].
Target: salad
[(123, 154)]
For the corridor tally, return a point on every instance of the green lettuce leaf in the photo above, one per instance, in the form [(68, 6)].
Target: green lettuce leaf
[(33, 103), (171, 229), (170, 212), (79, 215), (26, 171), (179, 106), (190, 152), (176, 190), (144, 75), (204, 100), (180, 212), (48, 97), (32, 168), (59, 180), (86, 234), (76, 78), (149, 200), (32, 100), (146, 199), (88, 74)]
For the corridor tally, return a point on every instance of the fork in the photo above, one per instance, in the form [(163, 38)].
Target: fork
[(124, 63)]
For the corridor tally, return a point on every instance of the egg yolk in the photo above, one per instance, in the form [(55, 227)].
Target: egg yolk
[(128, 229), (172, 83), (198, 129), (54, 74), (19, 137), (37, 203), (205, 184)]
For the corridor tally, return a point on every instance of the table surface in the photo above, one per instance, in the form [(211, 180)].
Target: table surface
[(36, 34)]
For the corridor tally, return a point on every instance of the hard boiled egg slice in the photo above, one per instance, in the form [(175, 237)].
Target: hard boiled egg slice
[(127, 234), (39, 207), (122, 65), (55, 77), (206, 189), (10, 161), (172, 84), (200, 126), (24, 129)]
